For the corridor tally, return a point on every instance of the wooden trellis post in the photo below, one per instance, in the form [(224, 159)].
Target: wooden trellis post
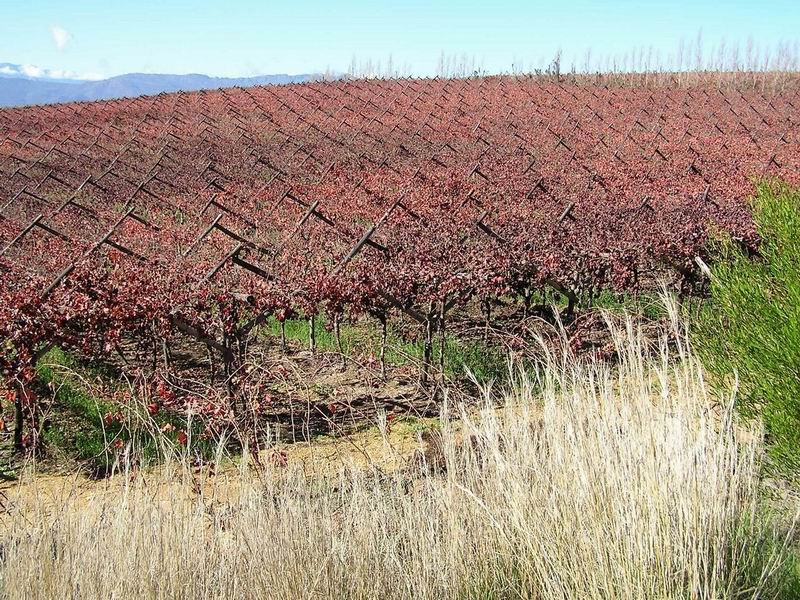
[(442, 339), (382, 317), (427, 345)]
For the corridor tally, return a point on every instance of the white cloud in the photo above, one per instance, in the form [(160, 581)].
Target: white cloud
[(35, 72), (31, 71), (61, 36), (90, 76), (59, 74)]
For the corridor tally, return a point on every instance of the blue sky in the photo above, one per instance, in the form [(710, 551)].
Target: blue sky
[(109, 37)]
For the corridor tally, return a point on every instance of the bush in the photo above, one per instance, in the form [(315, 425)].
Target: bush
[(751, 328)]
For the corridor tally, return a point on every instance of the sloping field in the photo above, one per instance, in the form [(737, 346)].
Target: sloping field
[(207, 213)]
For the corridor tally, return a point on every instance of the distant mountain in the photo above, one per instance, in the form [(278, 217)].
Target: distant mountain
[(20, 88)]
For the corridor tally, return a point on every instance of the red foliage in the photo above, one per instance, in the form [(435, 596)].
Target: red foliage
[(358, 196)]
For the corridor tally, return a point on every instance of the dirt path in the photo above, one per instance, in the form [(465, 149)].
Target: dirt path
[(393, 448)]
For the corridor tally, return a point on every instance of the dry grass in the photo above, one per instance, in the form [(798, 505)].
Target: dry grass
[(591, 482)]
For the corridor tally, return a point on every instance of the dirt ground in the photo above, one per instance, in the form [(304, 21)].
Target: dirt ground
[(402, 444)]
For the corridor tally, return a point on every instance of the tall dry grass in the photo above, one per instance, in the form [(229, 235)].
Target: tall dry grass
[(592, 481)]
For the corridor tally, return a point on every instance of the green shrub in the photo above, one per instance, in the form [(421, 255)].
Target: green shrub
[(750, 330)]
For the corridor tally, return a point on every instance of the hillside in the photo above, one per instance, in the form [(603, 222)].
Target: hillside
[(194, 221)]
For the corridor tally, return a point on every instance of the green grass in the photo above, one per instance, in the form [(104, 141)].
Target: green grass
[(749, 331), (483, 361), (77, 428), (648, 304)]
